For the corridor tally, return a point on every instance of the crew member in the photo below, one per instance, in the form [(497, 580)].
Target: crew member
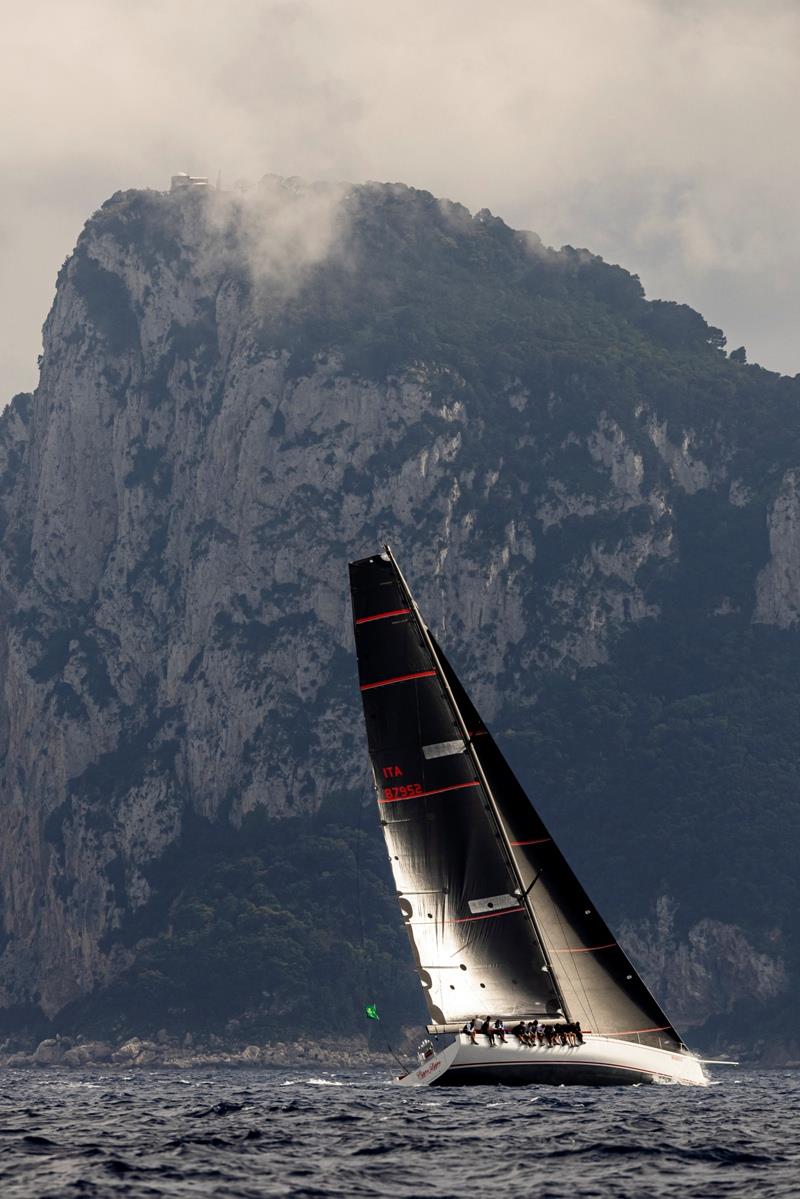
[(471, 1028)]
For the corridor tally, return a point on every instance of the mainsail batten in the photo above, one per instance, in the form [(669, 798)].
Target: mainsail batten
[(496, 919)]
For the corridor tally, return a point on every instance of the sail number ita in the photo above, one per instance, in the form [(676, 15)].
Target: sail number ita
[(403, 790)]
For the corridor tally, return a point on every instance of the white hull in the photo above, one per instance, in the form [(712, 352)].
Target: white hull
[(600, 1061)]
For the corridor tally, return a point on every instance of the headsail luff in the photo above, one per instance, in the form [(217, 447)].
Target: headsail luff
[(496, 919)]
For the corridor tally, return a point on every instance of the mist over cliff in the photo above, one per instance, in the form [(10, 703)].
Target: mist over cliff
[(598, 510)]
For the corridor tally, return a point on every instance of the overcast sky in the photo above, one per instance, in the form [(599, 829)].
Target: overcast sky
[(661, 134)]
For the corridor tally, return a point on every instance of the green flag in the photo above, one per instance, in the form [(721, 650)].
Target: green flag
[(371, 1011)]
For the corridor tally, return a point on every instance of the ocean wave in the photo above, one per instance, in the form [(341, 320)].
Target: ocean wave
[(345, 1134)]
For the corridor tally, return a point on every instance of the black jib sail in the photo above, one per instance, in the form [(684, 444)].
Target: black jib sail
[(498, 922)]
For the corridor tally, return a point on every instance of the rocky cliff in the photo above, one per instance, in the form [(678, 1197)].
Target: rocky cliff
[(598, 509)]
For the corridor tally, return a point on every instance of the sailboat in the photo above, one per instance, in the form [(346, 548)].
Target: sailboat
[(497, 921)]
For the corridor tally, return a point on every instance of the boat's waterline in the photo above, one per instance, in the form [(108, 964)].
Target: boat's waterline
[(600, 1061)]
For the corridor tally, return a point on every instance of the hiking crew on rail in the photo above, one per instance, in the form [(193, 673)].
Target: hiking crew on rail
[(530, 1033)]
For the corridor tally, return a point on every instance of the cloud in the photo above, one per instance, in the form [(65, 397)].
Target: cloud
[(269, 234), (275, 229), (659, 134)]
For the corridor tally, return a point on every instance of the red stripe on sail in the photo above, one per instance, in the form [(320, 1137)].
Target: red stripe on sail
[(485, 915), (435, 791), (400, 678), (383, 615), (535, 841), (588, 949)]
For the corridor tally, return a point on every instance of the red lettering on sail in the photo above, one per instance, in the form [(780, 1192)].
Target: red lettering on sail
[(392, 772), (406, 792)]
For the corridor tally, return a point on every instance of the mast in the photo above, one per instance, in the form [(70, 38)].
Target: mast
[(523, 891)]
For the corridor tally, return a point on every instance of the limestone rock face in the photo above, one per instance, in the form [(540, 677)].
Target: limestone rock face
[(711, 969), (179, 501), (778, 584), (88, 1053), (49, 1053)]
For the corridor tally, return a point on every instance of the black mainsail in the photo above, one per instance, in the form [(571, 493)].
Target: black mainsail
[(496, 919)]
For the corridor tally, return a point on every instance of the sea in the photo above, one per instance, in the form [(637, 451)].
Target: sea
[(306, 1133)]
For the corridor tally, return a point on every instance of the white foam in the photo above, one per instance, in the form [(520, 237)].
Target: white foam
[(314, 1082)]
